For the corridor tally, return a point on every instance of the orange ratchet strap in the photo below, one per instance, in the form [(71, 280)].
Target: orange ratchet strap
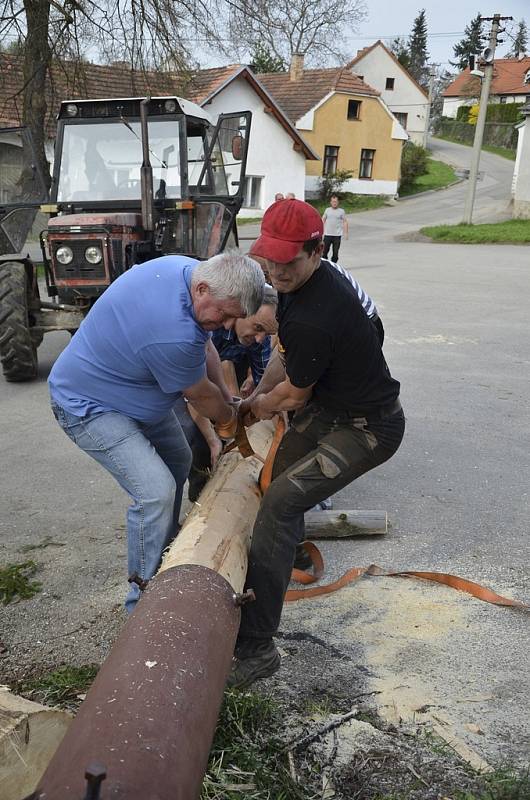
[(463, 585)]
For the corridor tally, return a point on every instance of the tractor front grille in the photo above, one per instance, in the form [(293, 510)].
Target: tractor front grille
[(79, 268)]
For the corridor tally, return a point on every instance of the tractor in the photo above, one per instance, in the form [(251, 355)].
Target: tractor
[(132, 179)]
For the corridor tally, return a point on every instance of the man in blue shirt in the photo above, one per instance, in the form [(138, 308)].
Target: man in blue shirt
[(144, 344)]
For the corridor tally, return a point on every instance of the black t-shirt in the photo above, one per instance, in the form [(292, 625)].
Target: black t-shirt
[(329, 341)]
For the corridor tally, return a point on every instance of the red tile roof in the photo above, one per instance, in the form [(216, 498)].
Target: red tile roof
[(206, 82), (298, 97), (508, 78), (361, 53), (71, 80)]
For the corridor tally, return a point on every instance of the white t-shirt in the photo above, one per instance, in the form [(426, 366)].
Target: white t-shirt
[(334, 221)]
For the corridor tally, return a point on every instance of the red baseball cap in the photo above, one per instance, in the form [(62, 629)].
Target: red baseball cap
[(285, 226)]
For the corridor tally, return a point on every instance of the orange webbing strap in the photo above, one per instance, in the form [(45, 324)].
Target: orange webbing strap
[(463, 585), (265, 477)]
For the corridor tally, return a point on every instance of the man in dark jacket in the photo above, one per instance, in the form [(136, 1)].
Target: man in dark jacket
[(330, 369)]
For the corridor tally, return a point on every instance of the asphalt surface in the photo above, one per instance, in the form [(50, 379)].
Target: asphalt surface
[(456, 492)]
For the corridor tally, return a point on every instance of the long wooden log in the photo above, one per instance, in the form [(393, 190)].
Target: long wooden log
[(29, 736), (148, 720), (343, 524)]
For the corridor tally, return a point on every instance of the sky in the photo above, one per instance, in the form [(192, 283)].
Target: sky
[(445, 22)]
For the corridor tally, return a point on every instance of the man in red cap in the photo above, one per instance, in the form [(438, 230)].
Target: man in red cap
[(330, 370)]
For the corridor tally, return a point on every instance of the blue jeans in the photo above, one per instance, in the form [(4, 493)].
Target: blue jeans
[(151, 462)]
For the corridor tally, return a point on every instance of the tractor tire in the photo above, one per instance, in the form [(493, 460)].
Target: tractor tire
[(18, 351)]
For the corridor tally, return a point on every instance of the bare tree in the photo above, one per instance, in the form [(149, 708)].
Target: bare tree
[(146, 34), (313, 28)]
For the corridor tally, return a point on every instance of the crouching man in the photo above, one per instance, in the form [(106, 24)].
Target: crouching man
[(145, 343), (330, 369)]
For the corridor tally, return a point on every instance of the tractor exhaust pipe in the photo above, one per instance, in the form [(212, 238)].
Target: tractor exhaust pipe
[(146, 171)]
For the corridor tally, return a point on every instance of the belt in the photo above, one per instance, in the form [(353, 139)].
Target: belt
[(372, 414)]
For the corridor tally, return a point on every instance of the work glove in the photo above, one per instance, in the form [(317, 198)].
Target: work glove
[(227, 430)]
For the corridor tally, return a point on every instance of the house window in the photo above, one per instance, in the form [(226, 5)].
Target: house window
[(252, 192), (331, 156), (401, 118), (354, 109), (367, 163), (390, 84), (527, 77), (502, 99)]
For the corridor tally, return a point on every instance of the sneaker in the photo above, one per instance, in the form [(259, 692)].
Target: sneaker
[(302, 559), (255, 660), (324, 505)]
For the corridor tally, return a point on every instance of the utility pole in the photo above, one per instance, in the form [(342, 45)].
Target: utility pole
[(428, 114), (489, 56)]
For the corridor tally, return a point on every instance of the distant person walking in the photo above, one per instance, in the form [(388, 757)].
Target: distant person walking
[(278, 196), (335, 225)]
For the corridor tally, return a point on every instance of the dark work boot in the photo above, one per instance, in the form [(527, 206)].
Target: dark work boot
[(253, 659)]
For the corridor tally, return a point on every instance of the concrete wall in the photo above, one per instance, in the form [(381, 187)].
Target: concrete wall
[(375, 67), (271, 155), (373, 130), (521, 208)]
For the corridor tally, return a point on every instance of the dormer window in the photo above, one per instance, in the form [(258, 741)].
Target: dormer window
[(527, 77)]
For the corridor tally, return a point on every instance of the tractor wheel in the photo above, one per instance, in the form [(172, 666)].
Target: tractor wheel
[(18, 351)]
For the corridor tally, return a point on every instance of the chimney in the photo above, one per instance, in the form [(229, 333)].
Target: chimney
[(297, 67)]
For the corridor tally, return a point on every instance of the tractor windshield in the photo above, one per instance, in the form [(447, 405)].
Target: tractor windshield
[(102, 161)]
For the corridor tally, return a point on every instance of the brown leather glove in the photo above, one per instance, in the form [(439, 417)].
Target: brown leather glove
[(227, 430)]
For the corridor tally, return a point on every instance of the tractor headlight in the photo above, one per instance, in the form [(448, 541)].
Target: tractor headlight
[(64, 255), (93, 255)]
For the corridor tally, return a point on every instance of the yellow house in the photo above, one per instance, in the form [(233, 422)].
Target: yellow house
[(345, 122)]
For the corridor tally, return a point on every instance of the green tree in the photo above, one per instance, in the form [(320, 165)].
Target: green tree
[(417, 46), (471, 43), (520, 42), (265, 61), (400, 49)]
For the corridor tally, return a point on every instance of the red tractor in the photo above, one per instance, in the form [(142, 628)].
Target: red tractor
[(133, 179)]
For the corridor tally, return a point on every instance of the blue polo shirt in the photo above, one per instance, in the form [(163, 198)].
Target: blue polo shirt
[(138, 347)]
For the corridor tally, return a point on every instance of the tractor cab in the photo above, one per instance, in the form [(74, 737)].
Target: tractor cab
[(133, 179)]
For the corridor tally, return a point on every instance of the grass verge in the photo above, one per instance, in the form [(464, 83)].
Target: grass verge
[(248, 221), (15, 582), (61, 687), (513, 231), (438, 176), (247, 759), (504, 152), (503, 784), (352, 203)]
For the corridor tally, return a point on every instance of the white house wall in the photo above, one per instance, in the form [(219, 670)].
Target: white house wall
[(452, 104), (522, 168), (271, 155), (375, 67)]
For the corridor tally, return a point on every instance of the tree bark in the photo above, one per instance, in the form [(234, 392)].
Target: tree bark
[(37, 61)]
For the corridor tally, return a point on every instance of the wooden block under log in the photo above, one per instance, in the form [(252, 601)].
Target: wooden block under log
[(29, 736), (344, 524)]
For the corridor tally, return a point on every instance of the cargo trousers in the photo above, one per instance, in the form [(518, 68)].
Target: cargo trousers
[(321, 453)]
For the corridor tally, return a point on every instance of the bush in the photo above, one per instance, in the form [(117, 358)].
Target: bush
[(462, 114), (333, 183), (413, 164)]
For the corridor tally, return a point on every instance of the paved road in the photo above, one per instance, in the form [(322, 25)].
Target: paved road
[(456, 493)]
